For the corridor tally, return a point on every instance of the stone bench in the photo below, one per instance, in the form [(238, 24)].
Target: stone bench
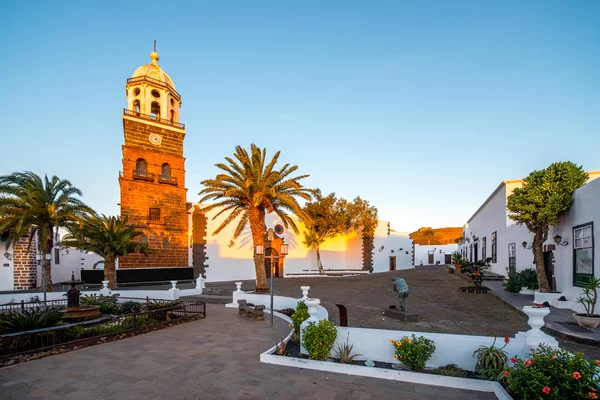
[(256, 312)]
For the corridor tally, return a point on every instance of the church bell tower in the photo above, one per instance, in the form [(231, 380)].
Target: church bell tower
[(152, 182)]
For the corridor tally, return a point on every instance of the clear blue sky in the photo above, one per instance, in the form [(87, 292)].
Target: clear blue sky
[(422, 108)]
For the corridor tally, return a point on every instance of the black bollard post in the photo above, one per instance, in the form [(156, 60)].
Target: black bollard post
[(343, 315)]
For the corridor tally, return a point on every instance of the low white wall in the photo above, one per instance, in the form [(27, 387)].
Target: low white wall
[(375, 344)]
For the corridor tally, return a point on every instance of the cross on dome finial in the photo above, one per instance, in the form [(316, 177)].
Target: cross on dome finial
[(154, 55)]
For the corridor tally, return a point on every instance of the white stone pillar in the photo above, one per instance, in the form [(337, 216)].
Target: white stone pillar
[(237, 294), (174, 292), (304, 292), (313, 305), (535, 336), (200, 285), (105, 291)]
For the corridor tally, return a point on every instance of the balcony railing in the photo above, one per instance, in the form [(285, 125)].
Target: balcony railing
[(143, 175), (169, 180), (155, 82), (136, 114)]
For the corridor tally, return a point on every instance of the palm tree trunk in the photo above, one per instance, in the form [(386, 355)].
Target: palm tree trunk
[(110, 273), (256, 217), (319, 264), (47, 264), (538, 243)]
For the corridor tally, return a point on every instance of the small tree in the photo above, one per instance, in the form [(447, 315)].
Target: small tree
[(109, 237), (365, 220), (429, 234), (329, 217), (544, 196)]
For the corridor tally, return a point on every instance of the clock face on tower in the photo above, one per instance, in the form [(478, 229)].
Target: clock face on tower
[(155, 139)]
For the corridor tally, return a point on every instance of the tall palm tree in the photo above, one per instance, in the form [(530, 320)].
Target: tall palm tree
[(248, 190), (30, 205), (109, 237)]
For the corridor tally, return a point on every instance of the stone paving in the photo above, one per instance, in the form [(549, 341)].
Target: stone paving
[(214, 358)]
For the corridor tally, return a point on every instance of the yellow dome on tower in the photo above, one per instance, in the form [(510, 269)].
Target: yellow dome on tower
[(154, 71)]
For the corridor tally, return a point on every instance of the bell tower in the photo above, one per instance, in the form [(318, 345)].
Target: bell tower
[(152, 183)]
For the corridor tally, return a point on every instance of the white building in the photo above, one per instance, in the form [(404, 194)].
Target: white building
[(229, 259), (435, 254), (490, 232)]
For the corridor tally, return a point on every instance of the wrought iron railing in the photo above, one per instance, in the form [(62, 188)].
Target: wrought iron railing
[(136, 114), (28, 305), (169, 180), (143, 175), (155, 82), (12, 344)]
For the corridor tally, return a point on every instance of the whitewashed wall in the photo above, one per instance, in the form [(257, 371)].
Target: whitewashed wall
[(6, 270), (585, 208), (233, 261), (493, 217), (439, 253)]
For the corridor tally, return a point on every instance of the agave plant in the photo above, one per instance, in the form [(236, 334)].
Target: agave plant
[(280, 348), (343, 351), (27, 320), (491, 360)]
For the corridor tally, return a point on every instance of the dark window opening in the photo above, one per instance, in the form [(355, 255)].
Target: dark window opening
[(166, 242), (56, 256), (155, 110), (136, 106), (484, 248), (583, 254), (494, 246), (154, 214), (512, 259), (166, 172)]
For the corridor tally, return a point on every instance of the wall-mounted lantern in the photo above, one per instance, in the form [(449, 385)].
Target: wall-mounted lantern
[(259, 250), (524, 244), (285, 249), (558, 241), (8, 256)]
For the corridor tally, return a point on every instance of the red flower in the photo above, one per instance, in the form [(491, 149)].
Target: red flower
[(513, 360), (592, 395), (576, 375), (546, 390), (554, 357), (528, 362), (598, 362), (506, 339), (505, 374)]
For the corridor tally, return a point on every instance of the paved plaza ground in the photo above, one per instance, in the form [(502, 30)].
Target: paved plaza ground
[(211, 359)]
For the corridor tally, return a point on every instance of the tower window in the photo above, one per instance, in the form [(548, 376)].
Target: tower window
[(141, 166), (166, 242), (166, 172), (155, 110), (154, 214), (136, 91), (172, 115), (172, 102), (136, 106), (155, 93)]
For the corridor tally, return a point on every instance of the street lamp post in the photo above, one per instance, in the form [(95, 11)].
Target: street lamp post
[(259, 250)]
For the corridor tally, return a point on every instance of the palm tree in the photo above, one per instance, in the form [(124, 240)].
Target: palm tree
[(248, 190), (429, 234), (109, 237), (35, 207)]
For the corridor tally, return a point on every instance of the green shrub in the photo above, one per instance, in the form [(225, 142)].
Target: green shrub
[(413, 353), (318, 339), (299, 316), (553, 375), (35, 318), (526, 278), (107, 304), (514, 283), (130, 307), (491, 360), (450, 370), (160, 304)]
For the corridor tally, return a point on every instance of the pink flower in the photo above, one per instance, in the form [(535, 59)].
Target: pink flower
[(505, 374), (546, 390), (528, 362), (513, 360), (576, 375), (592, 395), (598, 362), (554, 357)]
